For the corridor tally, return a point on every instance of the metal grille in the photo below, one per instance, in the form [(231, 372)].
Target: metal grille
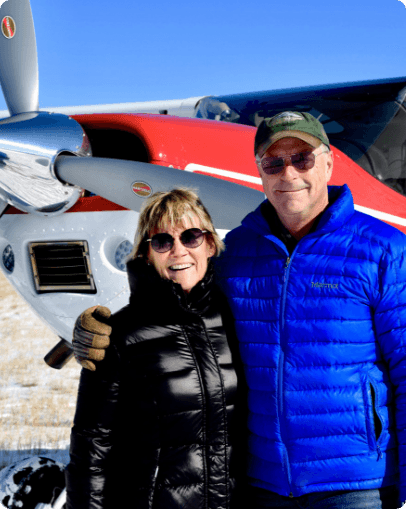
[(61, 267)]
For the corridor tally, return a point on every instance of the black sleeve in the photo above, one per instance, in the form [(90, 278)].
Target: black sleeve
[(89, 474)]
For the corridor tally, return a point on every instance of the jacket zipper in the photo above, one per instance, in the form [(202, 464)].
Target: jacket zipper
[(223, 410), (281, 369), (204, 403), (153, 484), (286, 270)]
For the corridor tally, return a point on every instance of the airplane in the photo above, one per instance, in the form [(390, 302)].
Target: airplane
[(73, 179)]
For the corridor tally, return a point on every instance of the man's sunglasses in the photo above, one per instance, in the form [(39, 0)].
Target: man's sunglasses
[(191, 238), (303, 161)]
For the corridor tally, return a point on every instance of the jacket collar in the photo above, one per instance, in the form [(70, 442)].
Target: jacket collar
[(148, 289), (338, 212)]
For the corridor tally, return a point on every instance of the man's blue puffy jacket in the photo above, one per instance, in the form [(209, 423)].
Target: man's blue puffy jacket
[(323, 339)]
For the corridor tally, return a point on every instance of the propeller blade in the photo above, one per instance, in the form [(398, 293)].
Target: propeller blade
[(114, 179), (18, 57)]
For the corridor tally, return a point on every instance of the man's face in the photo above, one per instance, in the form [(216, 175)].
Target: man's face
[(298, 194)]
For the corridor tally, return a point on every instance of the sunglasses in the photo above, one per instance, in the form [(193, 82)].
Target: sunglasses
[(303, 161), (191, 238)]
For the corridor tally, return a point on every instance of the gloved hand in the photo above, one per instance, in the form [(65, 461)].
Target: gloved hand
[(91, 336)]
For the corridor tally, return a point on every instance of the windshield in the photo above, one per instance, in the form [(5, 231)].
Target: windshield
[(213, 109)]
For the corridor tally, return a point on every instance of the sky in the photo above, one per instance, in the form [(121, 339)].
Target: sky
[(98, 51)]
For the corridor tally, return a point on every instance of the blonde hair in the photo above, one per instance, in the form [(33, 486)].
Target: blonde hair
[(165, 208)]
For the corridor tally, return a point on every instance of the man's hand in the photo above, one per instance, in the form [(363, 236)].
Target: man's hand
[(91, 336)]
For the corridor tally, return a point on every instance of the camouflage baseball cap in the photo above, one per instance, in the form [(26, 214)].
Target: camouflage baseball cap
[(289, 124)]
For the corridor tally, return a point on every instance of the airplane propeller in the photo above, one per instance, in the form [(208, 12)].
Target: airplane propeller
[(113, 179), (18, 57), (38, 177), (45, 159)]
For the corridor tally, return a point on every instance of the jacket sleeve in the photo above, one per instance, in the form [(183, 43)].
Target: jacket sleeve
[(89, 475), (390, 326)]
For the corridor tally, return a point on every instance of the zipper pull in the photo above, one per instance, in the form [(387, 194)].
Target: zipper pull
[(286, 268), (380, 455)]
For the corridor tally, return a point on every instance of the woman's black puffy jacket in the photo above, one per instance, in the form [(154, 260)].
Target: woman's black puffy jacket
[(158, 424)]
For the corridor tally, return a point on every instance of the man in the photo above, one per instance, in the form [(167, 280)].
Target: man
[(318, 295)]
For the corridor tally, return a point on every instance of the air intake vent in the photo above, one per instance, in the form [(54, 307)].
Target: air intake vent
[(61, 267)]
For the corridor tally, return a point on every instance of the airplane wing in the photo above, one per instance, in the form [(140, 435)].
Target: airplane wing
[(178, 107)]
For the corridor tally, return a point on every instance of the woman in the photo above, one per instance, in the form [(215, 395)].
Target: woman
[(156, 425)]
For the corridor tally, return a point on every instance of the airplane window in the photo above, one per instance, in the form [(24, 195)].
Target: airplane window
[(386, 158), (373, 135)]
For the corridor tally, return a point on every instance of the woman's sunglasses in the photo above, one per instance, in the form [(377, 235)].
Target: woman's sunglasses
[(303, 161), (163, 242)]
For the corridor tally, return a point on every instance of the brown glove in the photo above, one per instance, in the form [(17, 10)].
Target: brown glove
[(91, 336)]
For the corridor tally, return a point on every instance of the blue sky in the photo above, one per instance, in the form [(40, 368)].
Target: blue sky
[(97, 51)]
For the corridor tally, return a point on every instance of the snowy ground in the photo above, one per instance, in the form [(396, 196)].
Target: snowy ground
[(37, 403)]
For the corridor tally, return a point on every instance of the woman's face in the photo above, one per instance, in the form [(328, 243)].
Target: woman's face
[(183, 265)]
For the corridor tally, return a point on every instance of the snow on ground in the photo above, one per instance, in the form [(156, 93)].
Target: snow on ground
[(37, 403)]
